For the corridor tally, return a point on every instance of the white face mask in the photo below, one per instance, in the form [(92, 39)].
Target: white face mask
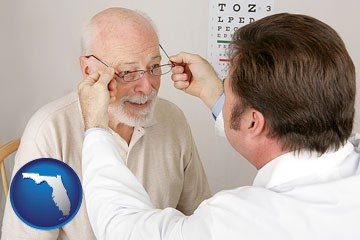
[(219, 125)]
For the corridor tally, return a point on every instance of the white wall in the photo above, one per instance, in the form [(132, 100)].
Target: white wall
[(39, 62)]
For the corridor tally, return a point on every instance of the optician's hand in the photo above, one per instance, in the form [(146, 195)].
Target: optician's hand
[(96, 91), (195, 76)]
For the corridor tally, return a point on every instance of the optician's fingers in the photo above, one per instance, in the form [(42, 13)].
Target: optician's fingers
[(181, 85), (106, 77), (178, 69), (178, 74), (90, 80), (180, 78), (185, 58), (99, 79)]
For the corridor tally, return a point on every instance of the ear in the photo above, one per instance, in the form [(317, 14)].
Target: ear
[(256, 123), (85, 70)]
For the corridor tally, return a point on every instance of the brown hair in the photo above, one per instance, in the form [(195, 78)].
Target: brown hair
[(296, 71)]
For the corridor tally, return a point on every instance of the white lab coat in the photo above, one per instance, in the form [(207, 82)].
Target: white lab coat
[(295, 196)]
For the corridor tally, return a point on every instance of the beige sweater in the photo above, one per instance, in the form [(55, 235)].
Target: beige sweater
[(162, 155)]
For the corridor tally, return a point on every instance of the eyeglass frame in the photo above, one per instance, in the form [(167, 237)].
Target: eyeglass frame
[(142, 72)]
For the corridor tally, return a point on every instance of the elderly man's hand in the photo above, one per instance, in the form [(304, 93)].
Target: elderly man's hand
[(96, 91)]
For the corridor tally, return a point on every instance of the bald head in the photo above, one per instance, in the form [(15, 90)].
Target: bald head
[(116, 24)]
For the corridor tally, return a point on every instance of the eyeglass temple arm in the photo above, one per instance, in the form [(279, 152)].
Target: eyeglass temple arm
[(172, 63), (117, 74), (98, 60)]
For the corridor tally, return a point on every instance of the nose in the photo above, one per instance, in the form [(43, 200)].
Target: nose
[(146, 83)]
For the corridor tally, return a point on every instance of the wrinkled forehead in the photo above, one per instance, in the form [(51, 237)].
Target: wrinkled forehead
[(126, 42), (133, 51)]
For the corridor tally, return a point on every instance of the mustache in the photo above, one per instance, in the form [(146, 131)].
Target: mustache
[(139, 99)]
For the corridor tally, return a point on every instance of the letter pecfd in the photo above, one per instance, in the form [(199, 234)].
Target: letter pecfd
[(59, 193)]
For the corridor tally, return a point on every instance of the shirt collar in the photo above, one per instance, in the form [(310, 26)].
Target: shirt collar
[(151, 122), (300, 167)]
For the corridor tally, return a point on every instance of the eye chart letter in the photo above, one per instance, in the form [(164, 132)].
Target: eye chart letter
[(225, 18)]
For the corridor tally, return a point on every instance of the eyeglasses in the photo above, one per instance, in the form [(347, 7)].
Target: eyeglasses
[(130, 76)]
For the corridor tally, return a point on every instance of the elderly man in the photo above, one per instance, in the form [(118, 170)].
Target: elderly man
[(289, 110), (151, 134)]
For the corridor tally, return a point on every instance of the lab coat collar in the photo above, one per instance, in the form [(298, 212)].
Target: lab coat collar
[(298, 168)]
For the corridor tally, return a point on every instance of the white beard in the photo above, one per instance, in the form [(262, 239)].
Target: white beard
[(138, 117)]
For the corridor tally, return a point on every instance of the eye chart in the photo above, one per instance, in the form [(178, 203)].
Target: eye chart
[(226, 16)]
